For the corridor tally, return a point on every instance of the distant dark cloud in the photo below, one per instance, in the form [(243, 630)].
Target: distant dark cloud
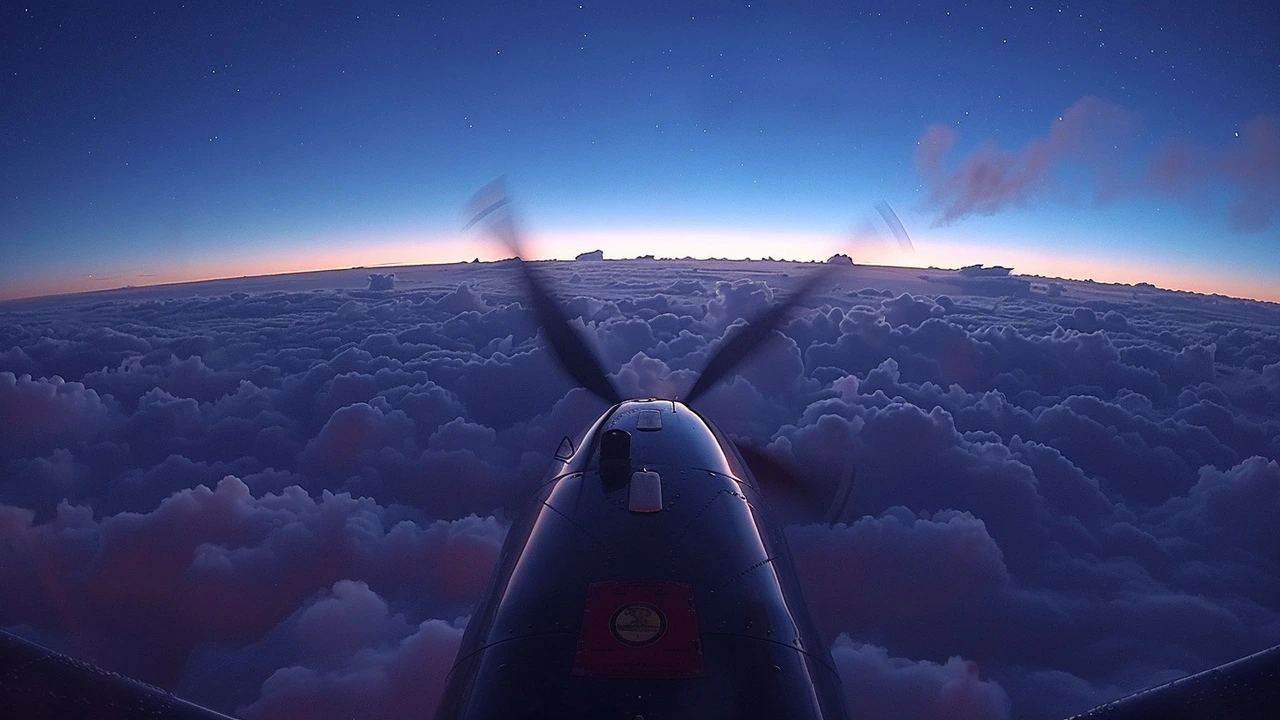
[(286, 503)]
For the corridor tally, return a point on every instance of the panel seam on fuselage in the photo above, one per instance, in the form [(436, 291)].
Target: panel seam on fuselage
[(802, 650)]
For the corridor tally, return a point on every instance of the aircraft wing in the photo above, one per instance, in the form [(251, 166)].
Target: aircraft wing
[(39, 684), (1246, 689)]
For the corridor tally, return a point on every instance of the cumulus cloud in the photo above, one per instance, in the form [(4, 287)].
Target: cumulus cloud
[(223, 566), (891, 687), (905, 566), (361, 663), (382, 281), (286, 502)]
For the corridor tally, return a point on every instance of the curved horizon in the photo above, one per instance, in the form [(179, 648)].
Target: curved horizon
[(950, 261)]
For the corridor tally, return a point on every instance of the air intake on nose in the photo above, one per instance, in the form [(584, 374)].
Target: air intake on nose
[(615, 458), (615, 451)]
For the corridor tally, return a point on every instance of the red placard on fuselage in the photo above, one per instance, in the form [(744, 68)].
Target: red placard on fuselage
[(639, 629)]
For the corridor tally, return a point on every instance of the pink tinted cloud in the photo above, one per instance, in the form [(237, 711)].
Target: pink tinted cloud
[(1177, 169), (1249, 166), (1253, 168), (1092, 134), (992, 178), (878, 685)]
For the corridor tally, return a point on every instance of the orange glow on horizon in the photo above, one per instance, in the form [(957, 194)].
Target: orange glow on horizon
[(952, 253), (1163, 272), (327, 255), (700, 243)]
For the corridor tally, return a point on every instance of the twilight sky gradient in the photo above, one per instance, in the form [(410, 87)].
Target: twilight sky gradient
[(154, 142)]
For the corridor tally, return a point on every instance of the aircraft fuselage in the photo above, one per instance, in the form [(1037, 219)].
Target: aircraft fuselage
[(644, 581)]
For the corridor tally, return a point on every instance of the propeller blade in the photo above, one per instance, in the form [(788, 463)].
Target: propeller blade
[(491, 206), (843, 496), (895, 226), (789, 488), (748, 338), (569, 347)]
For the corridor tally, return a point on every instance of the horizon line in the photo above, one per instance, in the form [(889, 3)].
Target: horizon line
[(644, 258)]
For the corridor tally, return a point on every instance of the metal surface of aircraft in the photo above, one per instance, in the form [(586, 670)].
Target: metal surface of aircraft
[(645, 580)]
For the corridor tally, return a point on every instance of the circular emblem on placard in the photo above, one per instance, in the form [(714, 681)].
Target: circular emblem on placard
[(637, 624)]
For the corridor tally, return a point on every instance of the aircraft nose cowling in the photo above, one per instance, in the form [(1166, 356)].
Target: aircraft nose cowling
[(660, 433), (692, 610)]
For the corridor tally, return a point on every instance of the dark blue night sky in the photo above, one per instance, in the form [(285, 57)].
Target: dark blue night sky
[(154, 142)]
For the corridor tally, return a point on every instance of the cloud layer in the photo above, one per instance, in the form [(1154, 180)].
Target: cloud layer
[(286, 503)]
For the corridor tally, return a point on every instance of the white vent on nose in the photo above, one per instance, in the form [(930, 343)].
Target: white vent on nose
[(645, 495)]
